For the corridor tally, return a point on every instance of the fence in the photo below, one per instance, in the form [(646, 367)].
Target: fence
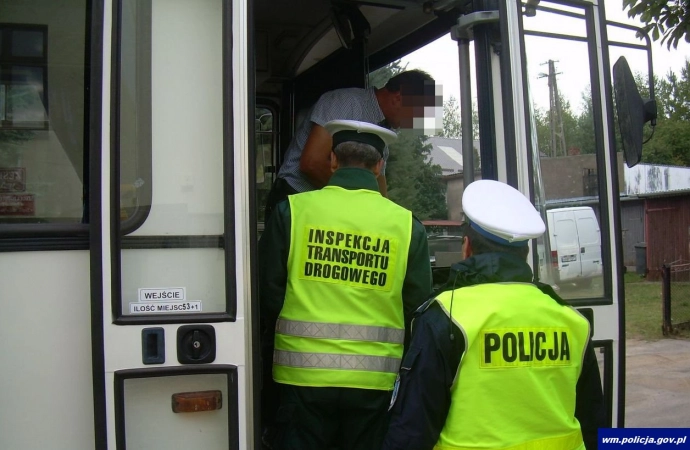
[(675, 291)]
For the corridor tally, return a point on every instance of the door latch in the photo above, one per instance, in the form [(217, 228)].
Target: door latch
[(196, 344)]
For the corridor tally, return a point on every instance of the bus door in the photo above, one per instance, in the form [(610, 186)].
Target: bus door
[(545, 109), (174, 254), (569, 147), (566, 152)]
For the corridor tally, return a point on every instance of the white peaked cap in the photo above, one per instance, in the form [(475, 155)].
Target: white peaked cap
[(501, 213), (354, 130)]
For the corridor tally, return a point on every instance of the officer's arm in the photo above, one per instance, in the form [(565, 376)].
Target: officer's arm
[(417, 285), (589, 406), (274, 246), (422, 403), (315, 161)]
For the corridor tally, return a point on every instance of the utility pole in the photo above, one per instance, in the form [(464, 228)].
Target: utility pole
[(555, 112)]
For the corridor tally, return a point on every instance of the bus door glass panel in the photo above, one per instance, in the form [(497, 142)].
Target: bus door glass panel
[(171, 157), (42, 85), (624, 42), (558, 66)]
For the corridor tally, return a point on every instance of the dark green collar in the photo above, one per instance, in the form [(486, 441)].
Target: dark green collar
[(354, 178), (487, 268)]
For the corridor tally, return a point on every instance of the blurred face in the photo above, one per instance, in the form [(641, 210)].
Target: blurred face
[(417, 112)]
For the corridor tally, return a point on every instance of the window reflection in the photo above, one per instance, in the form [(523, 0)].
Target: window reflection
[(42, 85)]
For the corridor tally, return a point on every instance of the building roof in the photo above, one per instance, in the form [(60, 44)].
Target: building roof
[(645, 179), (447, 153)]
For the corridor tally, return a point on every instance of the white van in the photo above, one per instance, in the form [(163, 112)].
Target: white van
[(575, 245)]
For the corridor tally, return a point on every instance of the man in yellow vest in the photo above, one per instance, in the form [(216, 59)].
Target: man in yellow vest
[(497, 361), (342, 270)]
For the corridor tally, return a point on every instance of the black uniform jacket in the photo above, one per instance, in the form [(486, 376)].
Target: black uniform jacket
[(422, 400)]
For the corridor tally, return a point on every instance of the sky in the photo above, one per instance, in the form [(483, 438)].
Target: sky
[(440, 58)]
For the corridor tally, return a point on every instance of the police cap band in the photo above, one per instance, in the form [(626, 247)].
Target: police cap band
[(357, 131)]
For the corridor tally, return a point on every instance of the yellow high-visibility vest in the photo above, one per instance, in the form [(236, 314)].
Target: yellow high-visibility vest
[(515, 388), (342, 321)]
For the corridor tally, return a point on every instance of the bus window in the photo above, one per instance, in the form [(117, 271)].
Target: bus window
[(568, 148), (42, 92), (174, 242), (134, 118)]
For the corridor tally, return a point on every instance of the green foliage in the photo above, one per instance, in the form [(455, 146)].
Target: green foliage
[(670, 140), (451, 119), (670, 143), (452, 123), (643, 308), (413, 182), (665, 19), (379, 77), (578, 128), (583, 138)]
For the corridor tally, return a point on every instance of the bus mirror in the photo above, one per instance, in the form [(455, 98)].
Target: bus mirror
[(633, 111)]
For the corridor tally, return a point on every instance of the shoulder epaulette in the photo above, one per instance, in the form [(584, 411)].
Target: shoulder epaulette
[(424, 306), (548, 290)]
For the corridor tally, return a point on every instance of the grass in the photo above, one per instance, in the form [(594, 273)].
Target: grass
[(643, 314)]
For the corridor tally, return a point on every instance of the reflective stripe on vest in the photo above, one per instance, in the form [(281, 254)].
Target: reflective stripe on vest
[(342, 322), (335, 361), (340, 331), (515, 387)]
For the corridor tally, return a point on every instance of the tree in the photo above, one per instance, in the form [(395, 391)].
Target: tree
[(578, 130), (670, 143), (452, 124), (451, 119), (582, 135), (379, 77), (412, 181), (668, 19)]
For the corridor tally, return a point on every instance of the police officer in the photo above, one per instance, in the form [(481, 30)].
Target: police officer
[(342, 270), (497, 361)]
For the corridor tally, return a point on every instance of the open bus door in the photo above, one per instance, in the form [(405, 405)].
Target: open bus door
[(527, 141), (566, 44)]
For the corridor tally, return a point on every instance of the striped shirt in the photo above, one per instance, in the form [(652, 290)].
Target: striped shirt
[(340, 104)]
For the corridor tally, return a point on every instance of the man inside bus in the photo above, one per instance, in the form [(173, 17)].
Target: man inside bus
[(341, 271), (497, 361), (396, 105)]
